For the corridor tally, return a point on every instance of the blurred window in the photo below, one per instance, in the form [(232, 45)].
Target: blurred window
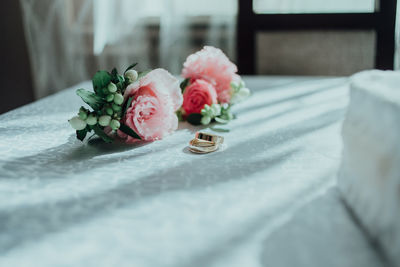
[(313, 6)]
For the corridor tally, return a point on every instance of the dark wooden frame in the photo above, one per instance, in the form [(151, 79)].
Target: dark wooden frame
[(249, 23)]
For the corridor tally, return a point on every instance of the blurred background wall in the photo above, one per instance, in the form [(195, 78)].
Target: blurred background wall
[(16, 87), (53, 44)]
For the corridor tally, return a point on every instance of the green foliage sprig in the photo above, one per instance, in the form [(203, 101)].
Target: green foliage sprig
[(107, 104)]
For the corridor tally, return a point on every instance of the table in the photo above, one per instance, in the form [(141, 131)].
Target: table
[(268, 198)]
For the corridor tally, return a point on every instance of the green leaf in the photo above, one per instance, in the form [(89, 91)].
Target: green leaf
[(90, 98), (117, 79), (142, 74), (127, 130), (114, 72), (221, 130), (81, 134), (121, 79), (100, 132), (121, 85), (179, 115), (100, 80), (90, 137), (226, 113), (127, 105), (114, 76), (220, 120), (130, 67), (194, 118), (225, 108), (184, 83)]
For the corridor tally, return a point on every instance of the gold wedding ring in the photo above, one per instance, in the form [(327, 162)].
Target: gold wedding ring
[(205, 143), (203, 150), (209, 137), (201, 143)]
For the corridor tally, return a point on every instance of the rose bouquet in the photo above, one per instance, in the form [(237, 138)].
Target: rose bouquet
[(210, 88), (134, 106)]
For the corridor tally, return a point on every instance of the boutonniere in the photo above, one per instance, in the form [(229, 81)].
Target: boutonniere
[(131, 107), (210, 88)]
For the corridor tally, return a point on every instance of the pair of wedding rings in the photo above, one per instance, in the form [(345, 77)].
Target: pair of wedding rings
[(205, 143)]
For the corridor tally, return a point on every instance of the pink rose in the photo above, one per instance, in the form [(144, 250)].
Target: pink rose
[(212, 65), (198, 94), (152, 112)]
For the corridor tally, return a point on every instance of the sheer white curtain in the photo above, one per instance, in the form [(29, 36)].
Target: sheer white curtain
[(69, 40)]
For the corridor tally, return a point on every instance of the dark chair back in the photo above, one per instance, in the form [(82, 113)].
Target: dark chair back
[(381, 21)]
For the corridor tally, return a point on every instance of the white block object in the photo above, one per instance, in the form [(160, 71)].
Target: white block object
[(369, 176)]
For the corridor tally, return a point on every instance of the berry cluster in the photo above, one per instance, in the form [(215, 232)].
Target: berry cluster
[(107, 102)]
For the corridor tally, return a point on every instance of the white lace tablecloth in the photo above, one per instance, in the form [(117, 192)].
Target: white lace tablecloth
[(268, 198)]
